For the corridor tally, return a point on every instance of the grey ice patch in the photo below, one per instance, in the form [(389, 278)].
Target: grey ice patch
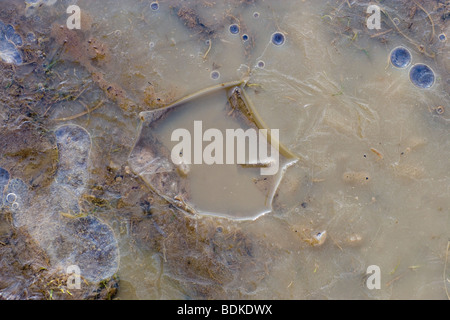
[(4, 180), (9, 52), (89, 244), (33, 5), (9, 41)]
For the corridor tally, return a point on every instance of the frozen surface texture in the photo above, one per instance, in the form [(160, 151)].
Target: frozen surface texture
[(57, 223)]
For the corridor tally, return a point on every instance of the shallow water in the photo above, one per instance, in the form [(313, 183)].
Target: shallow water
[(371, 148)]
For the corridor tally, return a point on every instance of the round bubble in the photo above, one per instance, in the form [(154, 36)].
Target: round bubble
[(422, 76), (11, 197), (245, 37), (256, 15), (234, 29), (261, 64), (215, 75), (278, 39), (401, 57), (442, 37), (154, 6)]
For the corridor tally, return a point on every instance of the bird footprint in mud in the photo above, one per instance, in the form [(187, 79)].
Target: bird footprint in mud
[(53, 217)]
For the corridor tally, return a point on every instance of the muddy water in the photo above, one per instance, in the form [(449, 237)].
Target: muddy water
[(370, 183)]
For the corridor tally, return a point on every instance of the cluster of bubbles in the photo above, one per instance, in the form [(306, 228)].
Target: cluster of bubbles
[(421, 75), (11, 200), (277, 38), (9, 43)]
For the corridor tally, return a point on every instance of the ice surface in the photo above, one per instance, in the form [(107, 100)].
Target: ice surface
[(9, 41)]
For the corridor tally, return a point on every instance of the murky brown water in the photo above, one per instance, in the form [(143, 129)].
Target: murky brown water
[(370, 167)]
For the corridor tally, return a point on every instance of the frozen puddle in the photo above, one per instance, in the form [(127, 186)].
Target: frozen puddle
[(56, 222), (203, 180), (365, 110)]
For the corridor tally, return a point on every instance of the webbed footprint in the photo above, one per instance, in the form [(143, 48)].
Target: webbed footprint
[(55, 220)]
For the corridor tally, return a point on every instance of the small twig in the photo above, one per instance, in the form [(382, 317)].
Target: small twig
[(429, 17), (81, 114), (380, 33), (257, 119), (199, 93), (337, 244), (81, 92), (377, 153), (431, 55), (209, 49)]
